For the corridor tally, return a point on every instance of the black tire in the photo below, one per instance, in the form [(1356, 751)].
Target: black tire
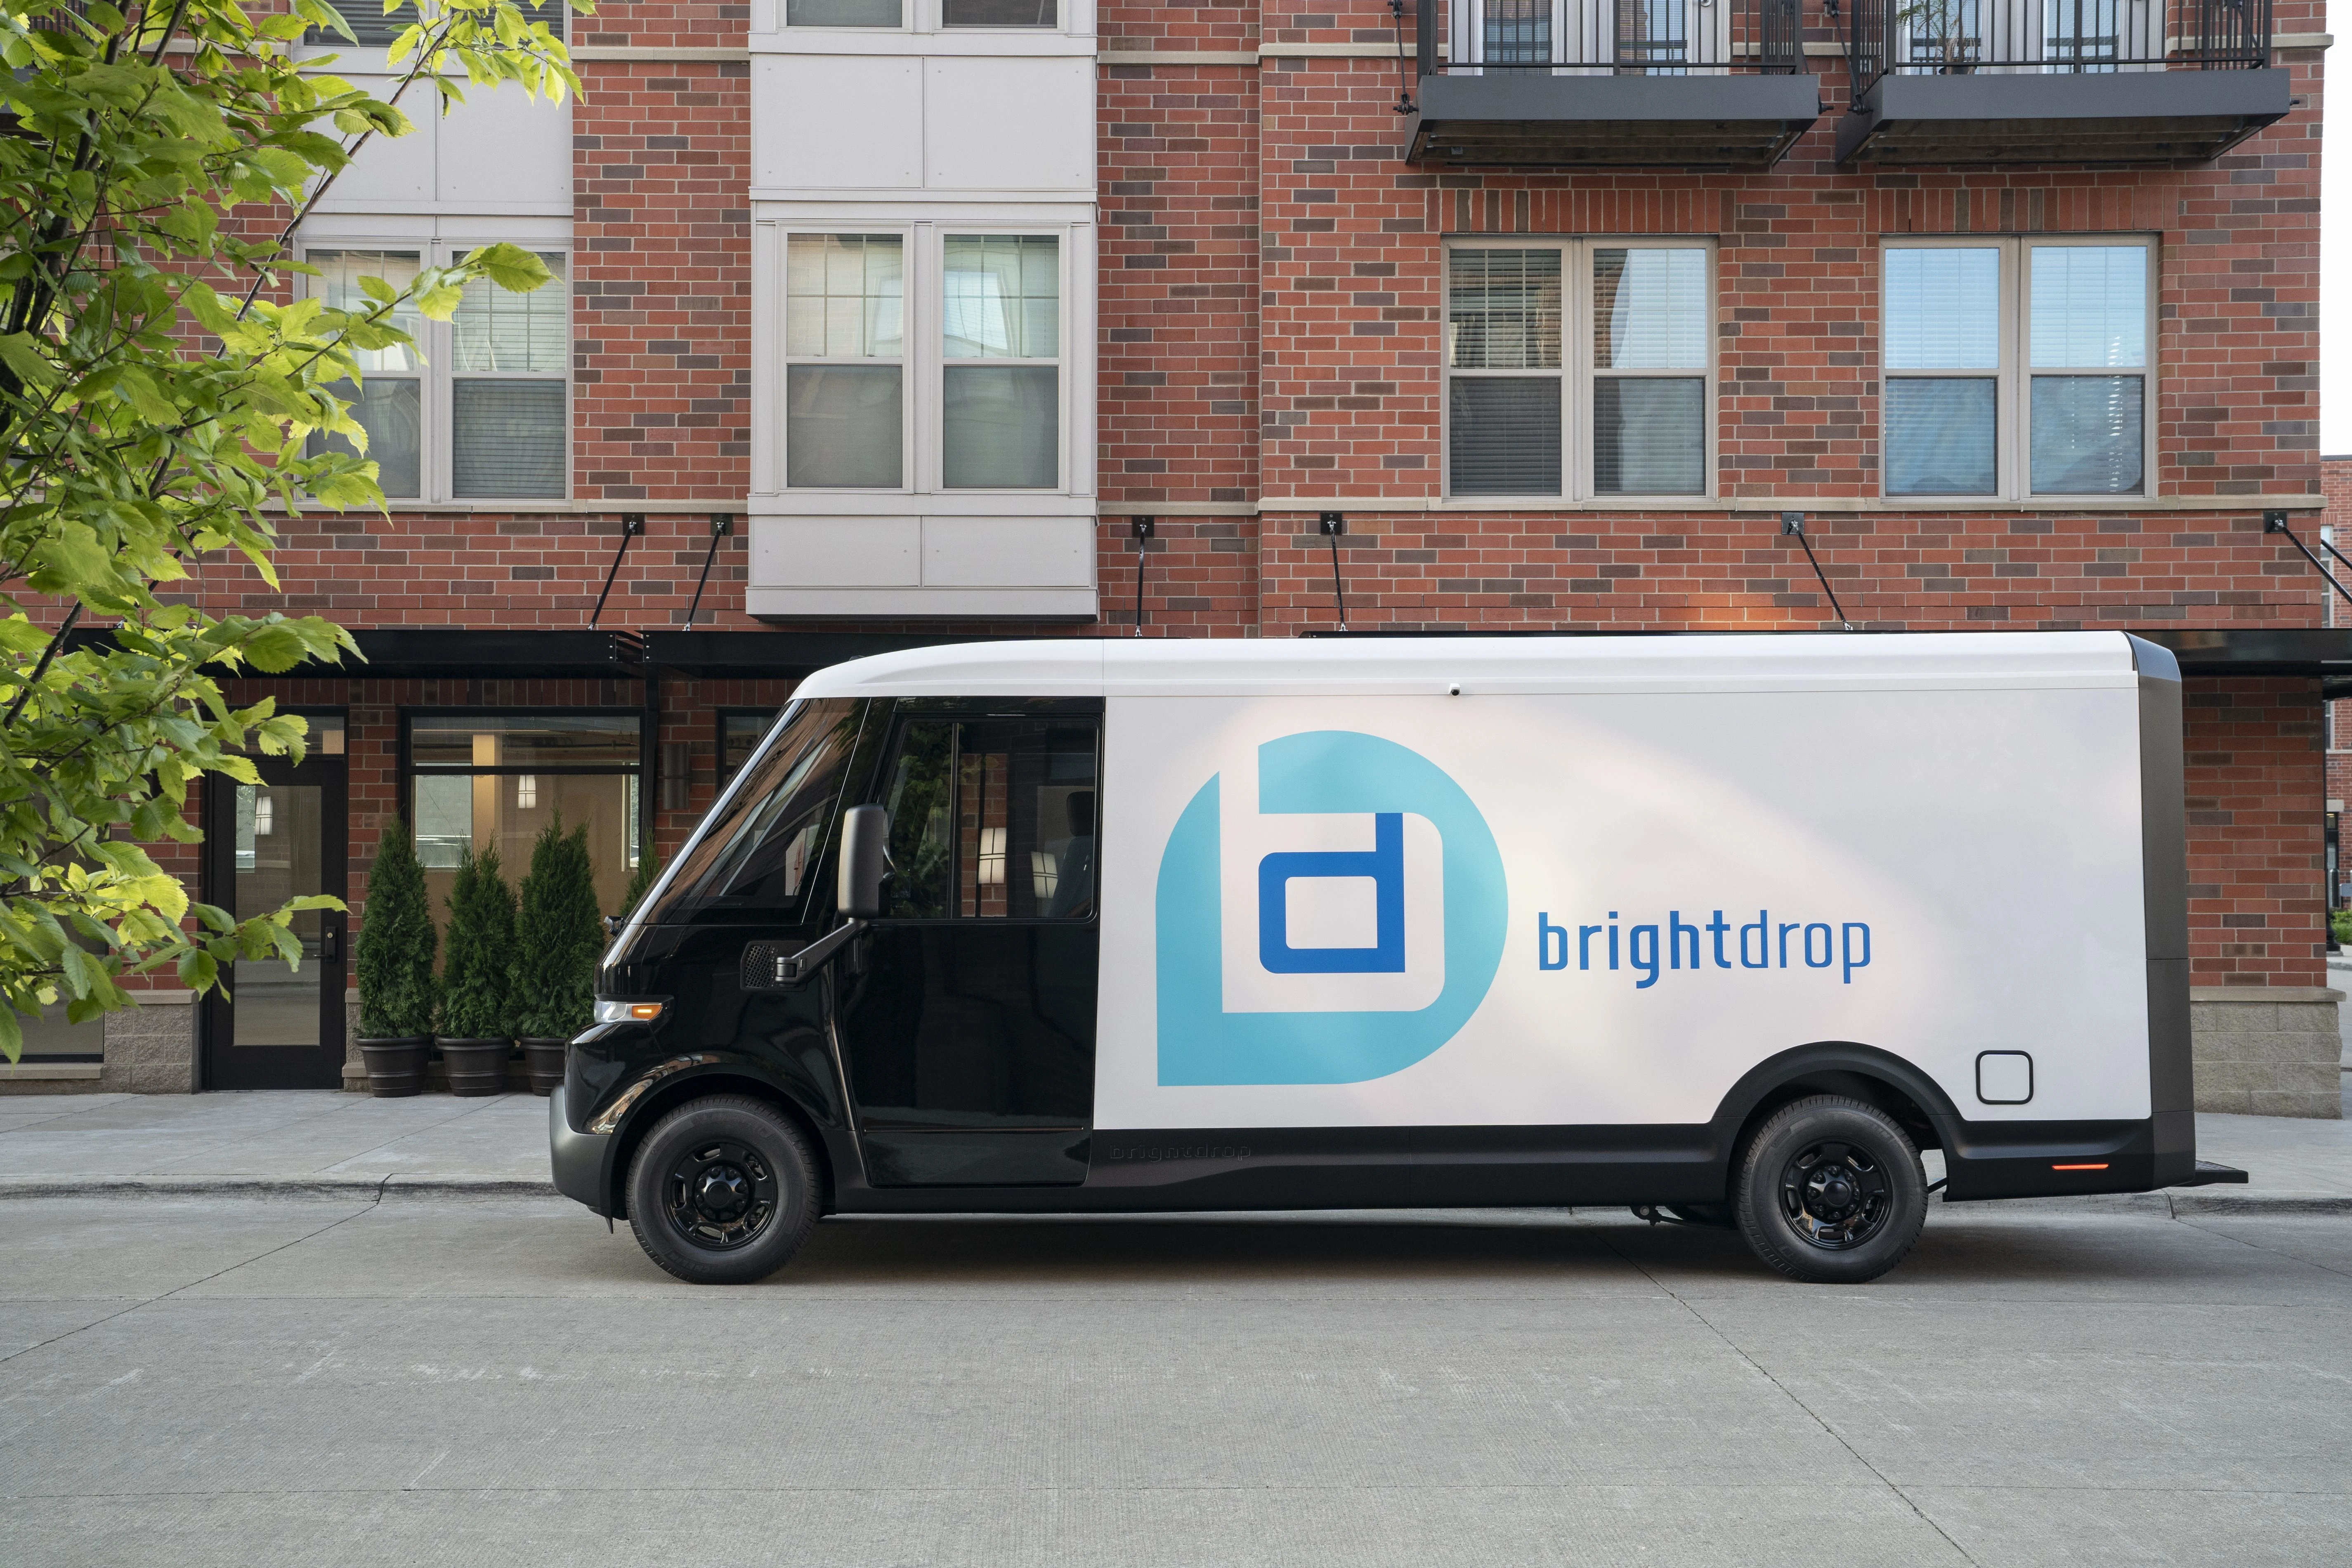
[(722, 1190), (1830, 1190)]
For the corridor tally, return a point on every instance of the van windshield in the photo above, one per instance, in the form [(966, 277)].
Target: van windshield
[(758, 849)]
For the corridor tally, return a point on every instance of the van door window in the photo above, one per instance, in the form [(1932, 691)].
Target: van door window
[(991, 819)]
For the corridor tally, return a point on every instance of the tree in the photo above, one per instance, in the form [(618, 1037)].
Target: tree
[(559, 937), (397, 942), (477, 981), (159, 403)]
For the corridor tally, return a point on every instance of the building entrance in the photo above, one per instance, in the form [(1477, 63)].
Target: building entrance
[(280, 1026)]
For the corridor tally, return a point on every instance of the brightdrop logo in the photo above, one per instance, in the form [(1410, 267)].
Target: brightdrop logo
[(1330, 908)]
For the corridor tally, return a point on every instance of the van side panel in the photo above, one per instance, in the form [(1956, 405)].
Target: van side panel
[(1591, 908)]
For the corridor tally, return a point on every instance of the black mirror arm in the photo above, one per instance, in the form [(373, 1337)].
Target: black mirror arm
[(794, 968)]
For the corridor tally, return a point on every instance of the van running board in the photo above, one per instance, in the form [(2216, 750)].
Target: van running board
[(2209, 1175)]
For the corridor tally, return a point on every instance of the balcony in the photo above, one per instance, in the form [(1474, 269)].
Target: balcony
[(2057, 81), (1611, 83)]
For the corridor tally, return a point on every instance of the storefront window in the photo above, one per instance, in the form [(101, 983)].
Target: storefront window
[(493, 781)]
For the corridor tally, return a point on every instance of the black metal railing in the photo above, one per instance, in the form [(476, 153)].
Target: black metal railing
[(1610, 37), (2014, 37)]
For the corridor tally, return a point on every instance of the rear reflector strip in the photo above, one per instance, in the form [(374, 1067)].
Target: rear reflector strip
[(2078, 1167)]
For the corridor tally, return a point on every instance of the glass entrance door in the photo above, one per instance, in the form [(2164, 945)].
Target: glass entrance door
[(280, 1026)]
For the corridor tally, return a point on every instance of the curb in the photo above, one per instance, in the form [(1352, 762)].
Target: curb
[(368, 1189)]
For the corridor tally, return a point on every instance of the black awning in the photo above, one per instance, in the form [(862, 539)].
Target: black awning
[(465, 653), (753, 655), (2322, 651)]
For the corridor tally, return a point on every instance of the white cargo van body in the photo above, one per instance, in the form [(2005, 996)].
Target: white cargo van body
[(1626, 872)]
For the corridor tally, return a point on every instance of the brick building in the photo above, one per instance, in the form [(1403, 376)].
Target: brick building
[(890, 320)]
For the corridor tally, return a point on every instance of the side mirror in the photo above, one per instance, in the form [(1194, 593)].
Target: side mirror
[(865, 838)]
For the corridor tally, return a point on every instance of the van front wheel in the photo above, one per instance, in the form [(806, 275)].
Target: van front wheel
[(1830, 1190), (722, 1190)]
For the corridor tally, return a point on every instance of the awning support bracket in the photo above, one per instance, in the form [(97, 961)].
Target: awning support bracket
[(632, 523), (1792, 525), (2275, 522), (721, 525)]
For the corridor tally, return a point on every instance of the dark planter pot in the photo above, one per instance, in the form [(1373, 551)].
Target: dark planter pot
[(545, 1058), (476, 1067), (396, 1066)]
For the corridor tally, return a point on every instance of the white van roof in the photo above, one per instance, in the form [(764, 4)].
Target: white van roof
[(1376, 666)]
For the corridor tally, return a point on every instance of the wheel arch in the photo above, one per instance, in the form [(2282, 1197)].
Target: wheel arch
[(1876, 1077), (728, 1078)]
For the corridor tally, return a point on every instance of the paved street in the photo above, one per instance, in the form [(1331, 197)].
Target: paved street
[(431, 1379)]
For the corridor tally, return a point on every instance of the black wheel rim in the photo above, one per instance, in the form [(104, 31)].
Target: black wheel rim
[(1836, 1196), (721, 1195)]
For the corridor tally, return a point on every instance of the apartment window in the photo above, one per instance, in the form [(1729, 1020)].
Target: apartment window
[(972, 319), (475, 408), (2017, 368), (1001, 387), (388, 401), (509, 424), (1581, 368), (845, 347)]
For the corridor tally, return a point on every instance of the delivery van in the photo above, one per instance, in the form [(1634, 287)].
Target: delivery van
[(1726, 929)]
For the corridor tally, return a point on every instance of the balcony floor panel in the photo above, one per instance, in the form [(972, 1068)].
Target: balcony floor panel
[(1533, 121), (2123, 118)]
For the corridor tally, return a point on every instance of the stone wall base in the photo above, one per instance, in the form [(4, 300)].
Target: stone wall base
[(147, 1049), (2267, 1051)]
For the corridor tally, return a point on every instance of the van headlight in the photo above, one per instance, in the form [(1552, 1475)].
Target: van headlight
[(613, 1010)]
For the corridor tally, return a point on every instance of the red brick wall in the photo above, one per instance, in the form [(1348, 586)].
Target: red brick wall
[(2254, 774)]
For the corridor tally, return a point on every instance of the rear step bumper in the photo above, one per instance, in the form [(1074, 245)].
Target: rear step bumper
[(2209, 1175)]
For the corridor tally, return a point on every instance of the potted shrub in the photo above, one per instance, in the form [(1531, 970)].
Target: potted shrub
[(395, 962), (478, 977), (559, 938)]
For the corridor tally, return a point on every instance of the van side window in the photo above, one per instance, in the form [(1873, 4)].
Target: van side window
[(991, 818)]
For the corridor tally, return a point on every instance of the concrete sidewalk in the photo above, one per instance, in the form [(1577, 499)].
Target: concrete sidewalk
[(325, 1141)]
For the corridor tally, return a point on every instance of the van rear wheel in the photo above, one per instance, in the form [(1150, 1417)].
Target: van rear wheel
[(722, 1190), (1830, 1190)]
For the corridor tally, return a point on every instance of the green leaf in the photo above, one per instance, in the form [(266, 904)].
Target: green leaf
[(22, 352), (511, 267)]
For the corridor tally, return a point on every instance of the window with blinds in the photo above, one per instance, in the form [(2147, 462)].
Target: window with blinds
[(510, 419), (845, 351), (474, 408), (1620, 405), (2017, 367)]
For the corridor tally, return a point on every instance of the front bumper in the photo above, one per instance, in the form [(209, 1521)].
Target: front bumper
[(578, 1157)]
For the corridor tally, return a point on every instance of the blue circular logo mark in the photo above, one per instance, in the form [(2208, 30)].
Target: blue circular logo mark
[(1330, 771)]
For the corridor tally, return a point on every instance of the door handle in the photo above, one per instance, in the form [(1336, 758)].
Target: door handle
[(331, 940)]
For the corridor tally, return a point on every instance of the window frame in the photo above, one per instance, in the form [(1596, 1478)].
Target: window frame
[(2013, 377), (1577, 371), (436, 391), (924, 362)]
